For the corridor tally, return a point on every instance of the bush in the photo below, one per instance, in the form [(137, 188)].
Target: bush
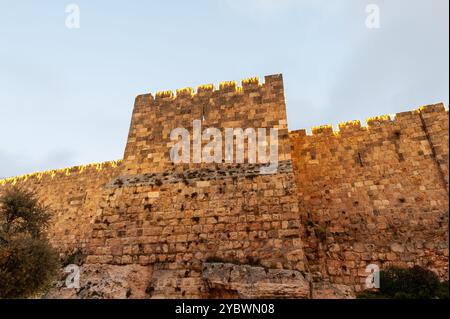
[(442, 292), (412, 283), (27, 267), (28, 263)]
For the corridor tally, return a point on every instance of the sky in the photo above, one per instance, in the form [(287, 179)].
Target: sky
[(66, 94)]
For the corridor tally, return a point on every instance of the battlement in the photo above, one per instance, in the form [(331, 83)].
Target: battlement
[(377, 122), (248, 85), (56, 173), (374, 193), (251, 105), (340, 199), (73, 194)]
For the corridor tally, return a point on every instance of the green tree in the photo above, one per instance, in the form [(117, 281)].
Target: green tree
[(408, 283), (28, 263)]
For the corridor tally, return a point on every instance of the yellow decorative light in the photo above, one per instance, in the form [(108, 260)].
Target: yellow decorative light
[(318, 129), (64, 171), (350, 123), (227, 84), (422, 108), (185, 92), (205, 87), (164, 94), (381, 118), (253, 80)]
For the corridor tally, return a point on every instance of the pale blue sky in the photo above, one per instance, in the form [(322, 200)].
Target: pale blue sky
[(66, 96)]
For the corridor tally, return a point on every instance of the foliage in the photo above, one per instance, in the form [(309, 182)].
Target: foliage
[(21, 214), (28, 263), (76, 257), (27, 267)]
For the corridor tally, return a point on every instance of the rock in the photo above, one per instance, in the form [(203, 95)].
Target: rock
[(397, 248), (326, 290), (106, 282), (256, 282)]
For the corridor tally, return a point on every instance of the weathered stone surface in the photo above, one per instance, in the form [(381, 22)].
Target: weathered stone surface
[(338, 202), (375, 194), (256, 282), (327, 290), (107, 282), (74, 195)]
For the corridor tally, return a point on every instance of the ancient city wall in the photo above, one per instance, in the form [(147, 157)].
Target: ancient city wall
[(375, 194), (73, 195), (176, 218), (340, 200), (251, 105)]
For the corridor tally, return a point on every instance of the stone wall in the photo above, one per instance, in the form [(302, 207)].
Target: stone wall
[(375, 194), (338, 202), (252, 105), (243, 218), (177, 217), (73, 194)]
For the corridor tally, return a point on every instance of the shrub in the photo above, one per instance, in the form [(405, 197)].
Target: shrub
[(27, 267), (408, 283), (442, 291), (28, 263)]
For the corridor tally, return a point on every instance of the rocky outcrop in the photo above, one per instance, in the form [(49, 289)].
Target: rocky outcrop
[(338, 202), (327, 290), (245, 281), (106, 282)]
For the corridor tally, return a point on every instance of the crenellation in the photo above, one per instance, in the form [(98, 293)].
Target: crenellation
[(350, 127), (339, 200), (365, 193), (229, 86), (185, 92), (206, 88), (73, 195), (373, 123), (324, 130), (275, 81), (432, 108), (59, 173), (165, 95), (377, 121), (250, 84)]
